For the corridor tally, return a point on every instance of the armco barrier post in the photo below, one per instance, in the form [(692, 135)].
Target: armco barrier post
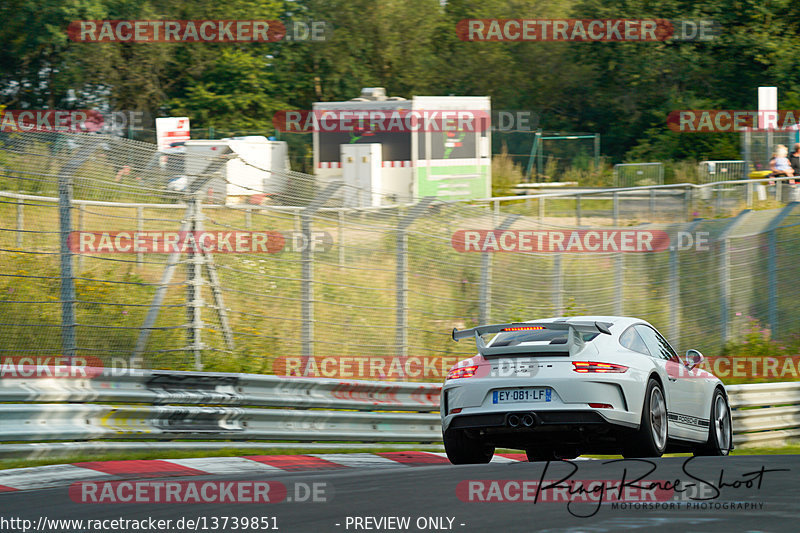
[(401, 277), (485, 289), (307, 269)]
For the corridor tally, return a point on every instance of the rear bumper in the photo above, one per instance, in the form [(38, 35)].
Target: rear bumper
[(541, 418), (585, 430)]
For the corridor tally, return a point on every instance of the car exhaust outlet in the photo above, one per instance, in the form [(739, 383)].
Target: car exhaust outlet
[(527, 421), (513, 421)]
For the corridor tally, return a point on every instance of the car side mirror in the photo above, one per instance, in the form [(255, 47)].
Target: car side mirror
[(693, 358)]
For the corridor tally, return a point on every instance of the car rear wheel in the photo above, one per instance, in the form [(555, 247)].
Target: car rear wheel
[(651, 439), (463, 450), (720, 433), (549, 454)]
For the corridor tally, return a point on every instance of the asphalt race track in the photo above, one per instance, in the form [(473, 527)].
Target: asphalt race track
[(743, 494)]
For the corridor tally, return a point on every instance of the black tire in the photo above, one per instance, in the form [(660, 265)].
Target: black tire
[(463, 450), (651, 438), (720, 429)]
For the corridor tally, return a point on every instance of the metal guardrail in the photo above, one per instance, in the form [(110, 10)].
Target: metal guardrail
[(619, 190), (765, 413), (164, 405), (165, 387), (684, 197)]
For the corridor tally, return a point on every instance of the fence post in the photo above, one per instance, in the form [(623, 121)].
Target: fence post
[(674, 295), (541, 208), (401, 278), (307, 270), (619, 284), (652, 205), (615, 197), (68, 342), (558, 285), (20, 221), (340, 237), (578, 209), (772, 266), (194, 287), (81, 213), (485, 287), (675, 284), (724, 273), (140, 229), (248, 218)]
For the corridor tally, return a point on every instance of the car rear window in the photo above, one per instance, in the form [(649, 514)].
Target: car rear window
[(552, 336)]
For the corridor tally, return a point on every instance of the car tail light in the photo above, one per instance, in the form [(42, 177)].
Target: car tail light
[(523, 328), (587, 367), (462, 372), (455, 411), (601, 406)]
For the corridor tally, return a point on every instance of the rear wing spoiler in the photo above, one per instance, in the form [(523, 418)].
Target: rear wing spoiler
[(575, 342)]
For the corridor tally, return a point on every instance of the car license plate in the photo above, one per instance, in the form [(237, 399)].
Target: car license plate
[(528, 394)]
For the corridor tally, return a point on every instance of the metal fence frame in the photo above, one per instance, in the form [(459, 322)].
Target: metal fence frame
[(729, 170), (625, 174), (686, 191)]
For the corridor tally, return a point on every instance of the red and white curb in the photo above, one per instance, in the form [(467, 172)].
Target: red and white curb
[(39, 477)]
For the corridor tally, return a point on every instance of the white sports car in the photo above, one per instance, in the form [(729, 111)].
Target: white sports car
[(561, 387)]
